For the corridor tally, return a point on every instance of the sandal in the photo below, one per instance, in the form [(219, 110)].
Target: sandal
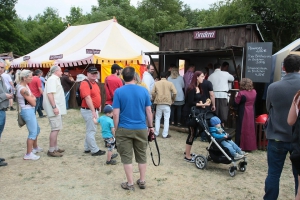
[(142, 185), (125, 186)]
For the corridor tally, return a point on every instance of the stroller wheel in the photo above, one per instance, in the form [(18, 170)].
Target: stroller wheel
[(232, 171), (242, 166), (200, 162)]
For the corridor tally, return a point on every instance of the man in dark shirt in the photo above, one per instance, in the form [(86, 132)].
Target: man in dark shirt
[(66, 82)]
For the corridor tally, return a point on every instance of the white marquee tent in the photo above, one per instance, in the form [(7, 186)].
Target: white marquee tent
[(116, 44), (277, 59)]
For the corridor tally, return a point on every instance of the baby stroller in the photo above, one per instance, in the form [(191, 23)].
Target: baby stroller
[(216, 152)]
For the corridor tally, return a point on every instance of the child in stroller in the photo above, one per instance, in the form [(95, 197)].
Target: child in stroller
[(219, 134)]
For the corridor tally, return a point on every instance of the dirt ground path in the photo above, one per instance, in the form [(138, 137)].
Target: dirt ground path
[(80, 176)]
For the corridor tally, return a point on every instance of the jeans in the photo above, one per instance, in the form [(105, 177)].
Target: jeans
[(231, 146), (31, 123), (38, 107), (276, 155), (41, 103), (91, 129), (176, 109), (2, 121), (67, 97), (162, 110)]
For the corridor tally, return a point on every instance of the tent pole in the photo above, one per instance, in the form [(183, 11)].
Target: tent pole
[(164, 62), (234, 64), (242, 67), (152, 62)]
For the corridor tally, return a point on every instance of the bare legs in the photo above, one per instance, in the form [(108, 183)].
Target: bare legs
[(31, 144), (53, 138), (109, 153), (188, 151), (129, 172)]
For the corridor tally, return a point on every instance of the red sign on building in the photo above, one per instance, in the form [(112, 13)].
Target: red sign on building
[(200, 35)]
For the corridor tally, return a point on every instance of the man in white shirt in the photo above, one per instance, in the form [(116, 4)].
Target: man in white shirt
[(148, 78), (10, 87), (220, 80), (55, 106)]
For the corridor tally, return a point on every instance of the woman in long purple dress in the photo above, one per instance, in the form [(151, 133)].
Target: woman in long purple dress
[(245, 127)]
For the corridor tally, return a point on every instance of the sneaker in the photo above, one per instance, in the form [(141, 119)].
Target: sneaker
[(192, 160), (238, 156), (60, 150), (37, 150), (142, 185), (43, 116), (2, 163), (12, 108), (192, 154), (125, 186), (168, 136), (87, 151), (54, 154), (114, 156), (31, 156), (243, 153), (111, 162), (99, 153)]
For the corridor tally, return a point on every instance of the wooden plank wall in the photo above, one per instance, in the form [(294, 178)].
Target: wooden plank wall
[(237, 36)]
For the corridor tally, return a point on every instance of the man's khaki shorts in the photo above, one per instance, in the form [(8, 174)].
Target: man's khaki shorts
[(129, 141), (55, 123)]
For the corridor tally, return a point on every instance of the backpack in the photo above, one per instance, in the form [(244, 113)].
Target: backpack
[(78, 97)]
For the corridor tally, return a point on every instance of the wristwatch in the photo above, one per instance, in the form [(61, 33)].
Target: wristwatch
[(54, 106)]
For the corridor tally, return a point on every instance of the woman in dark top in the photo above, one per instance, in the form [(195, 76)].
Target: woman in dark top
[(194, 97)]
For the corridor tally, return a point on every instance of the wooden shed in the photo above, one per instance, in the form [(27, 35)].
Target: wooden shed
[(202, 46), (206, 46)]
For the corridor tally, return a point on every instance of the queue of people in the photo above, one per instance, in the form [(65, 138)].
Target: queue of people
[(130, 107)]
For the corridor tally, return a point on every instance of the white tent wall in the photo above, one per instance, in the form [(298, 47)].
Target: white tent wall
[(277, 59)]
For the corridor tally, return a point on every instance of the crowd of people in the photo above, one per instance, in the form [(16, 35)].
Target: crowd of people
[(132, 103)]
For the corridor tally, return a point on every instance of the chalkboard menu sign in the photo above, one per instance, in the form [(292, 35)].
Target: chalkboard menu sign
[(259, 61)]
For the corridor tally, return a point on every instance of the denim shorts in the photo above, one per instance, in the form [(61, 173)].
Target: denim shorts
[(31, 122)]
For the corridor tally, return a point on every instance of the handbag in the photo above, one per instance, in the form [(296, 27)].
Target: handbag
[(20, 120)]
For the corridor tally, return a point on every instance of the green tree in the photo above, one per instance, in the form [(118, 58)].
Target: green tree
[(11, 39), (75, 15), (278, 20), (159, 15)]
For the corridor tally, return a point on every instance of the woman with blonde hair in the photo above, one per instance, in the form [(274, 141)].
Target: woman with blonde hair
[(176, 107), (27, 102), (138, 80), (245, 127)]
